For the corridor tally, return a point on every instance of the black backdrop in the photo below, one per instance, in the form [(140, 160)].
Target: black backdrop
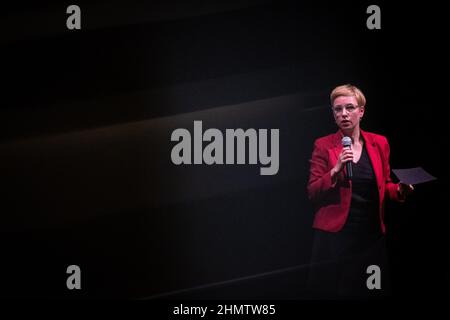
[(85, 143)]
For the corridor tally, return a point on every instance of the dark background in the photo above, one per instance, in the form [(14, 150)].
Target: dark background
[(85, 143)]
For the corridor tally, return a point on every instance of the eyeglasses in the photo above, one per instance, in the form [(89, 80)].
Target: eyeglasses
[(339, 109)]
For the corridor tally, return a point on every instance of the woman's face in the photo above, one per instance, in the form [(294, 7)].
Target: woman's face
[(347, 113)]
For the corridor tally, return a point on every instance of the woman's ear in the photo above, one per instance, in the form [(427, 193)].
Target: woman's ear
[(362, 109)]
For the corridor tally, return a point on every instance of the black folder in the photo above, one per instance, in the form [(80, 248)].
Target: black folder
[(413, 175)]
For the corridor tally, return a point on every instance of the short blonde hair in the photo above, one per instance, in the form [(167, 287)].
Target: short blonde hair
[(348, 90)]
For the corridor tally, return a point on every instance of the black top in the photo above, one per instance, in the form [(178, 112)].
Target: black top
[(364, 208)]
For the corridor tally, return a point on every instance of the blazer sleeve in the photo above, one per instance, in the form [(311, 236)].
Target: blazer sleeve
[(391, 189), (319, 182)]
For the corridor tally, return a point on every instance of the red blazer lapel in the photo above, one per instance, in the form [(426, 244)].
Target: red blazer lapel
[(374, 156), (337, 146)]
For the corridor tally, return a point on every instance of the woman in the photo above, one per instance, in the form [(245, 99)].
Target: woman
[(349, 218)]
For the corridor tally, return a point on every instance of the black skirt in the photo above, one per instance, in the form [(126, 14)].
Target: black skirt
[(339, 265)]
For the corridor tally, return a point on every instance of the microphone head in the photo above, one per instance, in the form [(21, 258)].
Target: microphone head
[(347, 142)]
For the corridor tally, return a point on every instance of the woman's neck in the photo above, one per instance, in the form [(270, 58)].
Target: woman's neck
[(355, 135)]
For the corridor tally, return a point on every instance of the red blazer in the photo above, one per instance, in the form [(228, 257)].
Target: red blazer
[(332, 202)]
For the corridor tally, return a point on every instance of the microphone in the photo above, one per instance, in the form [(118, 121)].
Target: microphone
[(347, 143)]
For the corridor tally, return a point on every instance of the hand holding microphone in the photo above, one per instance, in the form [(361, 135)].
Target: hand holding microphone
[(345, 158)]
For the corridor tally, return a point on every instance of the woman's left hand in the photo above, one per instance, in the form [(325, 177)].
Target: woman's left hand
[(405, 189)]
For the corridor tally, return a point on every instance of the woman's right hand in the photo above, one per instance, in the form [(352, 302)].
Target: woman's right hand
[(345, 156)]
